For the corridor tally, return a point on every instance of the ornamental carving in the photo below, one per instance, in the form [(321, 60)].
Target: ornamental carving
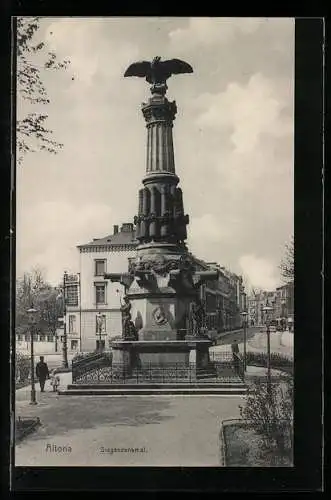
[(162, 266), (159, 316), (160, 111)]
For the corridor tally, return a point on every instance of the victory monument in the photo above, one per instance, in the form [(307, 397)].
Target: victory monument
[(161, 312)]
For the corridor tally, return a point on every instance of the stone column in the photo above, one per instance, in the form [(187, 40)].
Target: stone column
[(159, 114), (144, 230), (153, 222)]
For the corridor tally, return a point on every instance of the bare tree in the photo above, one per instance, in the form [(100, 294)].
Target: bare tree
[(287, 263), (33, 290), (32, 132)]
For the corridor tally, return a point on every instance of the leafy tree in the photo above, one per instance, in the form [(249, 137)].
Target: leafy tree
[(32, 58), (287, 263)]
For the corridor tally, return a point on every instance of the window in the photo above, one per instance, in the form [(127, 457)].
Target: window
[(19, 337), (74, 345), (100, 267), (72, 295), (49, 338), (100, 294), (28, 337), (42, 338), (72, 323)]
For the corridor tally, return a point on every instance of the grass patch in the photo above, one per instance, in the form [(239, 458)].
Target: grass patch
[(25, 426), (244, 447)]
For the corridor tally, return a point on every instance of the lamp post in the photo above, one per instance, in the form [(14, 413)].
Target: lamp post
[(244, 315), (267, 310), (32, 315)]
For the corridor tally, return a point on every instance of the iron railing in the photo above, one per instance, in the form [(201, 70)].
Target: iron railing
[(109, 373), (91, 363)]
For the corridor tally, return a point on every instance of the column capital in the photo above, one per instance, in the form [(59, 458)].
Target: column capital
[(159, 109)]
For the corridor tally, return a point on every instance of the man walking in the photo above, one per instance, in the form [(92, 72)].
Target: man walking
[(42, 373)]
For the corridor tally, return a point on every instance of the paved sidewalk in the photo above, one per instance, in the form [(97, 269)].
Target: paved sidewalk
[(23, 394), (280, 342), (119, 431)]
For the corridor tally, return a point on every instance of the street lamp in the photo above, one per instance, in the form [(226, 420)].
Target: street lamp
[(244, 315), (267, 310), (32, 317)]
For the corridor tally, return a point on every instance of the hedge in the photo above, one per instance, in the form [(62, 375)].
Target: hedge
[(22, 368), (277, 361)]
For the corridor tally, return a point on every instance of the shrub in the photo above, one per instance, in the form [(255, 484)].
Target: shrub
[(277, 361), (271, 415), (22, 367)]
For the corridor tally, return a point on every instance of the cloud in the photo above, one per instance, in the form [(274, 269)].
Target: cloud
[(208, 232), (233, 144), (253, 125), (249, 111), (207, 31), (259, 271), (90, 51), (57, 228)]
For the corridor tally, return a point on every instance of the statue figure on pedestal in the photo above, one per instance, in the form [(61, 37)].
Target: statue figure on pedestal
[(125, 310), (129, 330)]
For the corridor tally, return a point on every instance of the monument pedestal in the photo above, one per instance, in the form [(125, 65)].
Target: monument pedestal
[(174, 357)]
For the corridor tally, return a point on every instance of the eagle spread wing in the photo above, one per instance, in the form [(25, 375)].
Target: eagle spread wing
[(141, 68), (176, 66)]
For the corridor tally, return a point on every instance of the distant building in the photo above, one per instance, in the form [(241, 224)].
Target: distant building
[(281, 300), (284, 307), (224, 299)]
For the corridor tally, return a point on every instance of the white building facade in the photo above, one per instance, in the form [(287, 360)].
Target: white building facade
[(93, 314)]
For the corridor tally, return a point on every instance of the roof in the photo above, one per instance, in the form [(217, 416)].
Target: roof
[(126, 236)]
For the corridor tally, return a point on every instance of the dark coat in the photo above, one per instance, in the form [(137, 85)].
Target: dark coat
[(235, 348), (42, 370)]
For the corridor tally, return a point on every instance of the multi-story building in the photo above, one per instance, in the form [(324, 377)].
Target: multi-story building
[(284, 305), (224, 298), (281, 300), (93, 314)]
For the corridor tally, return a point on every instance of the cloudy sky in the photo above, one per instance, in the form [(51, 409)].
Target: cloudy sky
[(233, 138)]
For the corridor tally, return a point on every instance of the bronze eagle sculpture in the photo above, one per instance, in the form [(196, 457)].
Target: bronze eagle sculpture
[(157, 72)]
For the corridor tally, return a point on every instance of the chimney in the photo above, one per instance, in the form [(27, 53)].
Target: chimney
[(115, 229)]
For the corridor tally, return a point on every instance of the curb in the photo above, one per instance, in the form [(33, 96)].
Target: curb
[(222, 440)]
